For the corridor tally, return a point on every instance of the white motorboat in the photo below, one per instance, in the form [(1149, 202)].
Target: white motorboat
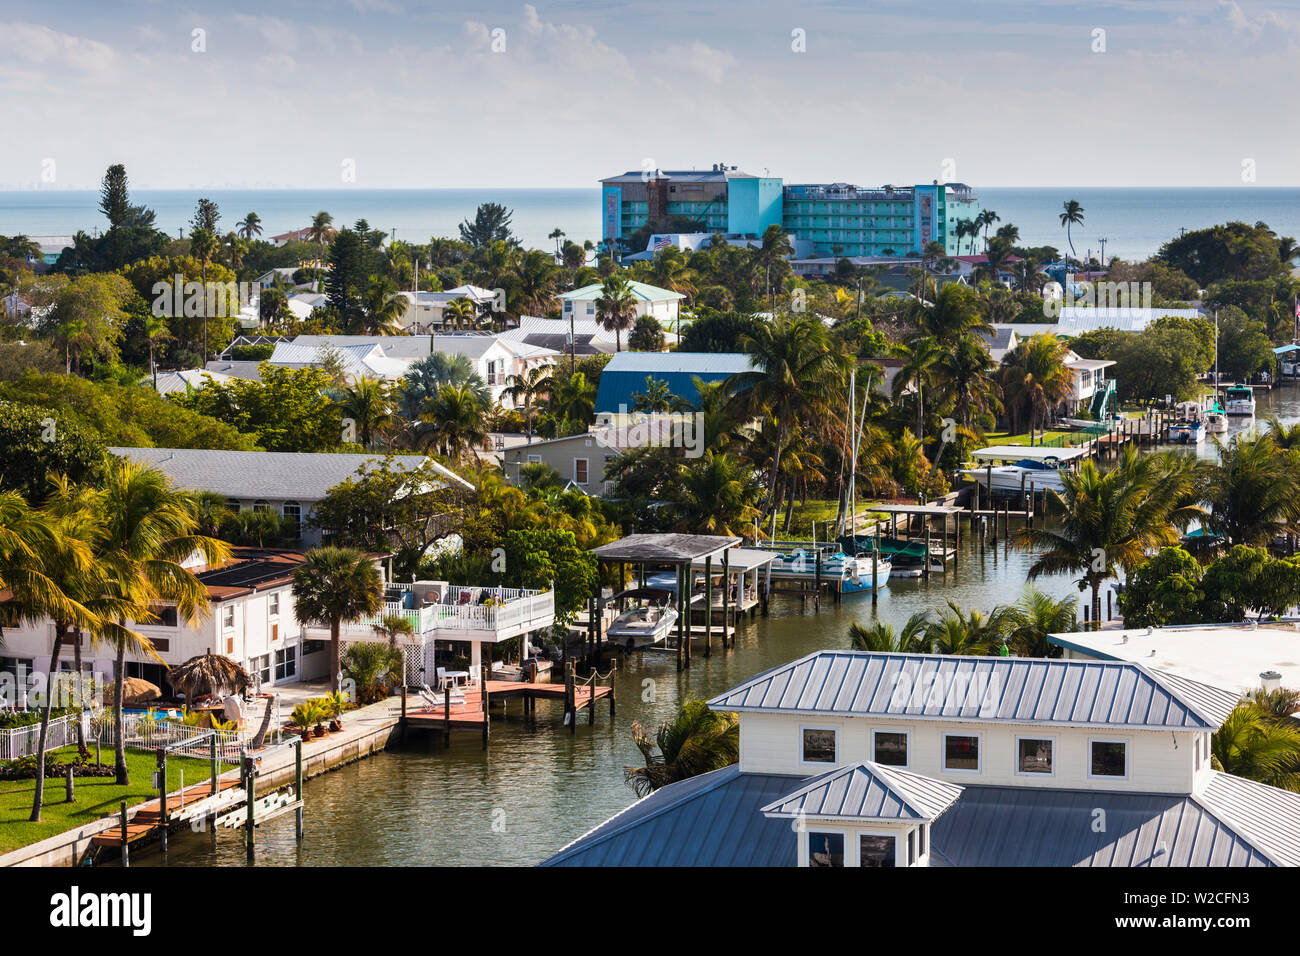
[(1189, 427), (647, 623), (1007, 479), (1239, 400), (1216, 421)]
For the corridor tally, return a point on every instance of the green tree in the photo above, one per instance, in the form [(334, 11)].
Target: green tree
[(1253, 492), (35, 443), (491, 223), (1072, 216), (1165, 590), (334, 586), (881, 638), (453, 422), (616, 308), (695, 741)]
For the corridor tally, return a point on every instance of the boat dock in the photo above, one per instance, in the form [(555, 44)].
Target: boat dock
[(470, 707)]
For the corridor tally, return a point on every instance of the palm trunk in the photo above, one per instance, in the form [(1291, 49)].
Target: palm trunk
[(79, 703), (38, 798), (119, 719), (776, 473), (334, 657), (1096, 605)]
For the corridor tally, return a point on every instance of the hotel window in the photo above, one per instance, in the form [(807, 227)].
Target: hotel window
[(286, 663), (818, 745), (580, 471), (889, 748), (961, 752), (1034, 755), (228, 616), (1108, 758), (166, 616), (292, 512), (876, 851), (825, 849)]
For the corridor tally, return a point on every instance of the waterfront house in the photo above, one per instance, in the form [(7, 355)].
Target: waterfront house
[(661, 304), (250, 620), (287, 483), (584, 460), (1089, 386), (852, 758), (625, 376)]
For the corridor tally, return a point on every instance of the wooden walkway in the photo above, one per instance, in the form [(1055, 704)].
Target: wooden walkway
[(471, 713), (148, 817)]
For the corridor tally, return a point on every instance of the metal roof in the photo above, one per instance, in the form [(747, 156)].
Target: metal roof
[(742, 559), (664, 548), (625, 375), (1033, 452), (996, 689), (1076, 319), (639, 290), (1266, 816), (253, 475), (1038, 826), (868, 792), (709, 820)]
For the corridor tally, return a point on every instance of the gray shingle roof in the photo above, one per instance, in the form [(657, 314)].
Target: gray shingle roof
[(288, 476), (1036, 826), (709, 820), (1001, 689), (867, 791)]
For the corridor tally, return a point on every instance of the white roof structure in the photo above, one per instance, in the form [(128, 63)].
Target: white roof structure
[(1230, 656), (412, 347), (359, 361), (1076, 319), (1032, 452)]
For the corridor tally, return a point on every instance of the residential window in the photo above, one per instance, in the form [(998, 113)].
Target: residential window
[(292, 512), (825, 849), (228, 616), (890, 748), (876, 851), (261, 506), (273, 603), (818, 745), (1109, 758), (913, 838), (166, 616), (233, 504), (286, 663), (1034, 755), (312, 647), (580, 471), (534, 459), (261, 668), (961, 752)]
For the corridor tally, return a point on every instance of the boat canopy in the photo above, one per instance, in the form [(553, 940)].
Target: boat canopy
[(1022, 452), (651, 594)]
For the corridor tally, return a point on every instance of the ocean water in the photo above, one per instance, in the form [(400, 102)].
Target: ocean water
[(1134, 221)]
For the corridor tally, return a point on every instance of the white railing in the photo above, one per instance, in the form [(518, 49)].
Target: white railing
[(18, 742), (146, 733), (511, 608)]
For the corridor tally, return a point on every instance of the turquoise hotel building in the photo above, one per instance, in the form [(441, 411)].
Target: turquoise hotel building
[(840, 219)]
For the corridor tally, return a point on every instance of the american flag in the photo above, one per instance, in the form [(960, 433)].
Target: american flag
[(662, 243)]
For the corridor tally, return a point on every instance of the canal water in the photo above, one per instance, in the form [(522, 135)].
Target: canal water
[(538, 787)]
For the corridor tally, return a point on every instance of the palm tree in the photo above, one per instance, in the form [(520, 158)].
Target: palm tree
[(881, 638), (393, 626), (147, 541), (374, 667), (967, 632), (454, 421), (697, 740), (658, 397), (1035, 380), (1284, 436), (965, 382), (986, 218), (616, 308), (385, 308), (526, 389), (573, 399), (1251, 745), (460, 314), (321, 228), (334, 586), (155, 333), (1253, 492), (920, 356), (795, 372), (1072, 216), (1112, 520), (716, 495), (250, 226), (1036, 615), (557, 234), (368, 403)]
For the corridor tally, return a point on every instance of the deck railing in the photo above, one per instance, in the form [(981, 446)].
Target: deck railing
[(510, 608), (18, 742)]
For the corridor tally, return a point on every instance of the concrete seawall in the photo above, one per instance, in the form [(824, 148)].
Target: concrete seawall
[(365, 731)]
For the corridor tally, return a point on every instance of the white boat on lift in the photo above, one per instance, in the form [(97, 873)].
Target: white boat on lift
[(649, 622), (1216, 420), (1189, 427)]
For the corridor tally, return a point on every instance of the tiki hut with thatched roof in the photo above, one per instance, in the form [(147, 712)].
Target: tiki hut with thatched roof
[(209, 674)]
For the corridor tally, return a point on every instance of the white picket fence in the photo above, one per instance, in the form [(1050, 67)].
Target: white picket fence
[(18, 742)]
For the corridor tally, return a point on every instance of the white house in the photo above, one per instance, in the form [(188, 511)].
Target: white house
[(649, 300), (424, 310), (287, 483), (495, 358), (853, 758), (1087, 380)]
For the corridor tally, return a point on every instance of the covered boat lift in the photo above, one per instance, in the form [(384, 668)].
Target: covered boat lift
[(681, 552)]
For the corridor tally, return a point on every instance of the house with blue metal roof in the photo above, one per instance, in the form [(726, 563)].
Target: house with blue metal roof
[(627, 372), (852, 758)]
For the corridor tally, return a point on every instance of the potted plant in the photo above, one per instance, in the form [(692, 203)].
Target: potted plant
[(304, 716), (335, 704)]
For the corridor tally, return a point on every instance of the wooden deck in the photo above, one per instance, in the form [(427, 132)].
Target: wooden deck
[(469, 714), (148, 817)]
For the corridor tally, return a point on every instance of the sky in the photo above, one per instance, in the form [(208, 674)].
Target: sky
[(399, 94)]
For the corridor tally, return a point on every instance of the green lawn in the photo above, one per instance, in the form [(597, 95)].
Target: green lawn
[(999, 438), (96, 796), (821, 510)]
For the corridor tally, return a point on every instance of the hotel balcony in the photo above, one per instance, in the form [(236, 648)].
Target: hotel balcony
[(442, 612)]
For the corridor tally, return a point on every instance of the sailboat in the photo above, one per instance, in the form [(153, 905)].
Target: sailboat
[(858, 572)]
